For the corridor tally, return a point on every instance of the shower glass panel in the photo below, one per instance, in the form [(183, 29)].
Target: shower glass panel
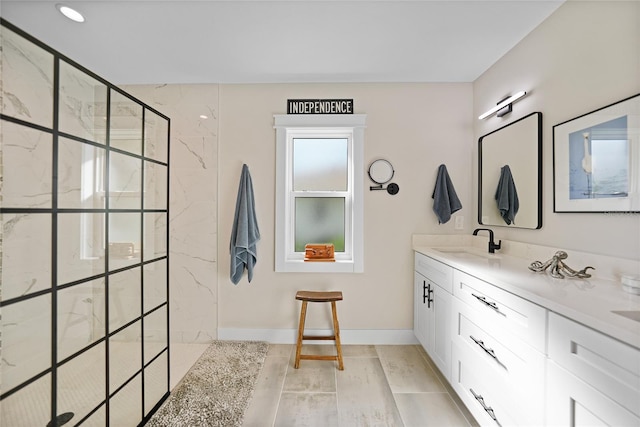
[(80, 187), (125, 132), (27, 158), (155, 379), (80, 316), (81, 382), (84, 194), (125, 174), (156, 137), (82, 106), (27, 70), (26, 341), (97, 419), (124, 239), (125, 355), (155, 235), (29, 406), (80, 251), (155, 186), (154, 284), (126, 405), (155, 338), (124, 298), (25, 246)]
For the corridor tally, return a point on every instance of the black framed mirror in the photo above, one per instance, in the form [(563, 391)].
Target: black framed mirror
[(510, 174)]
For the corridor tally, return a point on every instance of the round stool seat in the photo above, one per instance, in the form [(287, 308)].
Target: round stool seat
[(319, 296)]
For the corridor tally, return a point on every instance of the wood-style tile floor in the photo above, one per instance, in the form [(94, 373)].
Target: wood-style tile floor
[(380, 386)]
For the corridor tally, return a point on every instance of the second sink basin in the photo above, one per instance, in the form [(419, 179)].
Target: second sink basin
[(629, 314), (465, 253)]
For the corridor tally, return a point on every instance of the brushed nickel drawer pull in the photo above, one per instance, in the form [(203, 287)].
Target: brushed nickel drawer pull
[(488, 409), (489, 304), (489, 351)]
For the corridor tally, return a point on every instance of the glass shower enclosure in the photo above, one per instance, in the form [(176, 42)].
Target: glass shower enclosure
[(83, 244)]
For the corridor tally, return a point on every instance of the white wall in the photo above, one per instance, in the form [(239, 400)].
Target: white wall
[(416, 127), (583, 57)]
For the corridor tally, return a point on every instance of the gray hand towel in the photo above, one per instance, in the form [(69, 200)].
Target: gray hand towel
[(507, 196), (445, 199), (245, 233)]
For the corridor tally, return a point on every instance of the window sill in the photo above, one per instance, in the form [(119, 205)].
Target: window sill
[(300, 266)]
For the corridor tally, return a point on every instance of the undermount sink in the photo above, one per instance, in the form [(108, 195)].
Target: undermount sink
[(629, 314), (465, 253)]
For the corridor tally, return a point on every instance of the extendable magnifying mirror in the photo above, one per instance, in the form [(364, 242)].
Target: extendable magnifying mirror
[(381, 171)]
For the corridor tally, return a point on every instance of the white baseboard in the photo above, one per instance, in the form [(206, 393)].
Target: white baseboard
[(347, 336)]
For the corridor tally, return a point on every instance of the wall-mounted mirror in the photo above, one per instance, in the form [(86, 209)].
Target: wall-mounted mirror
[(510, 174), (381, 171)]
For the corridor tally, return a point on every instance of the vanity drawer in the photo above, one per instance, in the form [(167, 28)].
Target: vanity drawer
[(515, 369), (478, 392), (438, 272), (503, 310), (606, 364)]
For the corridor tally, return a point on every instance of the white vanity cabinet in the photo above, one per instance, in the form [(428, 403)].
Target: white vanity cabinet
[(432, 309), (498, 354), (592, 379), (523, 349)]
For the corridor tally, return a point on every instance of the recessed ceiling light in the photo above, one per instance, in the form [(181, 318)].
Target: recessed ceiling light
[(202, 116), (70, 13)]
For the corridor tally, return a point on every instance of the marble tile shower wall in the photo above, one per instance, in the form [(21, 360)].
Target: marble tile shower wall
[(193, 185)]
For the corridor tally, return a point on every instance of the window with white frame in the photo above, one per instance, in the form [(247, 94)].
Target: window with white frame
[(319, 199)]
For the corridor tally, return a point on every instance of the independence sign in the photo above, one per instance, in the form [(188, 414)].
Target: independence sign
[(320, 106)]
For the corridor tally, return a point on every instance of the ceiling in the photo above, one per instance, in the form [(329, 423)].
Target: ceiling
[(264, 41)]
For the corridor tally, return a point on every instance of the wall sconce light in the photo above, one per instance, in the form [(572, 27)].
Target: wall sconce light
[(503, 107)]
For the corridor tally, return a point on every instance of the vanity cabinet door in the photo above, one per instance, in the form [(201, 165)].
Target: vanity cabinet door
[(440, 325), (432, 321), (432, 310), (420, 309), (573, 402), (601, 366)]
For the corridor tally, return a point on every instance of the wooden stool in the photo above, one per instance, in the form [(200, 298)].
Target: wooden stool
[(313, 296)]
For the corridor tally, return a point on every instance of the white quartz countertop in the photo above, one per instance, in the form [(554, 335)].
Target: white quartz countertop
[(587, 301)]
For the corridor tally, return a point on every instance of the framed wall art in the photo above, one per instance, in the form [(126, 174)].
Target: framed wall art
[(596, 160)]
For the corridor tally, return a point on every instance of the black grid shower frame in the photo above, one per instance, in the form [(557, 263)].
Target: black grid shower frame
[(54, 211)]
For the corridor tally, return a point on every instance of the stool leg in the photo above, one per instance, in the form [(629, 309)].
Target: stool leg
[(303, 314), (336, 331)]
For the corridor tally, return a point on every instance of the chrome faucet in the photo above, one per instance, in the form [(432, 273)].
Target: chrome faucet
[(492, 245)]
